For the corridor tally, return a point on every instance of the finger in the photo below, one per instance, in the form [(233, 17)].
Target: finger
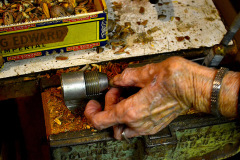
[(134, 108), (126, 111), (130, 132), (118, 129), (136, 77), (92, 108), (110, 117), (112, 97), (100, 119)]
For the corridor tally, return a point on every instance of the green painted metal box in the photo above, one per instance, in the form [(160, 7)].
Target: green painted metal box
[(188, 137)]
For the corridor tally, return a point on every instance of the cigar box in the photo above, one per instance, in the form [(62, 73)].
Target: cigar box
[(54, 35)]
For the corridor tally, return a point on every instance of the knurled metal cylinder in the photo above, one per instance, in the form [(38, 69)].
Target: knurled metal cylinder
[(95, 82), (77, 87)]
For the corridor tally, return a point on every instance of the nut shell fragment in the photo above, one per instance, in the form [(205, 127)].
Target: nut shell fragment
[(7, 18), (19, 18), (58, 11), (68, 7), (80, 10), (46, 10)]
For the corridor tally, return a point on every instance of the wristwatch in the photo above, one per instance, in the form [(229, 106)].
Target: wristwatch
[(216, 90)]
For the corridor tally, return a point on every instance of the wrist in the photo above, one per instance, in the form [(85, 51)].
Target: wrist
[(203, 83), (228, 96)]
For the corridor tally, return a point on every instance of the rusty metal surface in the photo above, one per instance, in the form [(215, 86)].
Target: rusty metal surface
[(79, 137), (9, 90)]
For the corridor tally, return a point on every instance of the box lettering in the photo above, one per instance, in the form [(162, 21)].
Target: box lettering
[(33, 38)]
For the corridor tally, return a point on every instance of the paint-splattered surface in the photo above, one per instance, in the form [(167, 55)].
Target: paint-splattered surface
[(168, 26)]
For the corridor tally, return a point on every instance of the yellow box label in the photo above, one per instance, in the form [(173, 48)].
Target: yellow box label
[(49, 38), (33, 38), (82, 33)]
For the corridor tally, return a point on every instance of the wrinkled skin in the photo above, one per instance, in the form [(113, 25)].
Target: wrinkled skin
[(168, 89)]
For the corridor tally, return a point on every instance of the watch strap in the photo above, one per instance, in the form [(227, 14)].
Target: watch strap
[(217, 83)]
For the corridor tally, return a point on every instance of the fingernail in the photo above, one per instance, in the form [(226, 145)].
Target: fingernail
[(111, 83)]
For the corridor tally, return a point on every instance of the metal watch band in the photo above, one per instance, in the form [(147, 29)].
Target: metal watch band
[(215, 91)]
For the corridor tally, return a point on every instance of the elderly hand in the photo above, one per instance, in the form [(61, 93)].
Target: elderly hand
[(168, 89)]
